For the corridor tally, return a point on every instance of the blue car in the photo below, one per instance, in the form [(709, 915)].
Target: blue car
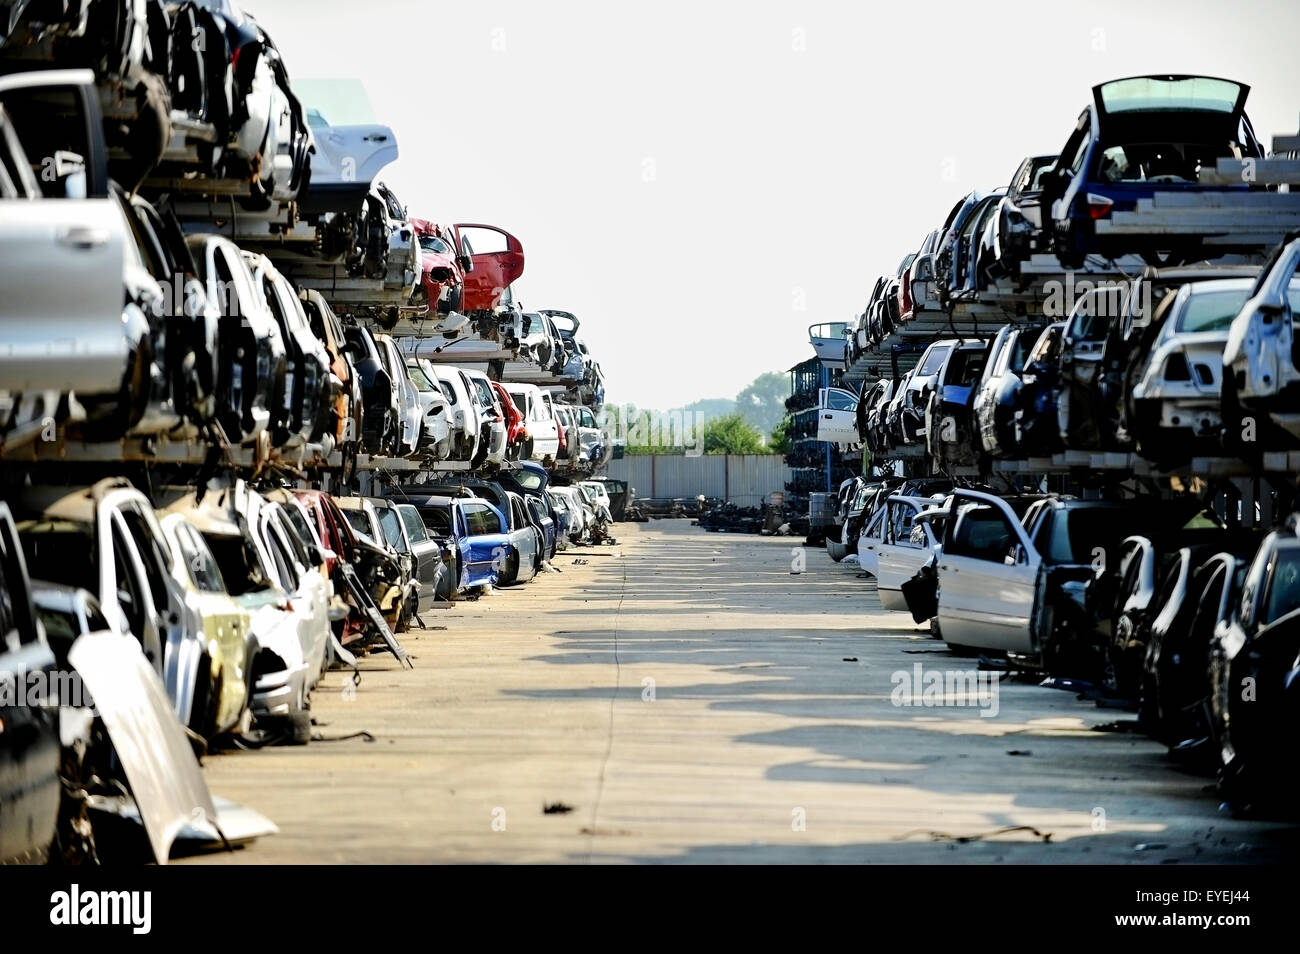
[(474, 529), (1141, 136)]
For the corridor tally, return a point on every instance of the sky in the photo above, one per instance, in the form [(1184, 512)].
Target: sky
[(702, 181)]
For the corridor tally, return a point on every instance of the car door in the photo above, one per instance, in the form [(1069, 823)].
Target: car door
[(492, 272), (900, 555), (484, 529), (63, 241), (870, 541), (29, 742), (837, 418), (425, 553), (988, 576)]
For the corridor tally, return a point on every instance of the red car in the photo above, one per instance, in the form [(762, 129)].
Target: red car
[(516, 432), (443, 267)]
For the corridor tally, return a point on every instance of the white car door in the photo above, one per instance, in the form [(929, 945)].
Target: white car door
[(62, 255), (901, 554), (542, 426), (869, 542), (988, 576), (837, 418)]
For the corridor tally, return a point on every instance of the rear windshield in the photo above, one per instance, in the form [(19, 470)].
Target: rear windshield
[(1143, 93)]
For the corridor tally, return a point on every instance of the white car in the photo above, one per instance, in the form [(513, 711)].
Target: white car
[(462, 406), (493, 426), (543, 440), (1176, 400), (59, 219), (262, 562), (582, 516), (907, 545), (106, 539), (870, 541), (410, 416), (1260, 359), (435, 428)]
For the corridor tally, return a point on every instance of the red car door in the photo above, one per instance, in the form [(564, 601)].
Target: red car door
[(493, 272)]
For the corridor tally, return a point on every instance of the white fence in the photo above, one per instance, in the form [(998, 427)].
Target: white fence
[(743, 479)]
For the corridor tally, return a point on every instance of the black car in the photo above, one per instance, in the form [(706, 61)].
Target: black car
[(29, 745), (379, 395), (1254, 694)]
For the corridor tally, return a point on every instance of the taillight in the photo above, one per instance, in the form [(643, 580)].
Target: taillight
[(1098, 206)]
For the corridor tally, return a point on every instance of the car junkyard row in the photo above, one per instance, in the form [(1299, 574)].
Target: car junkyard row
[(238, 449), (1077, 406)]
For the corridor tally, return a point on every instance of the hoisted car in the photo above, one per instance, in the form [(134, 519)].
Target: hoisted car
[(1141, 136)]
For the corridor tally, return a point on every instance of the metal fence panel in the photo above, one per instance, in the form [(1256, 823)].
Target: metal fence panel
[(743, 479)]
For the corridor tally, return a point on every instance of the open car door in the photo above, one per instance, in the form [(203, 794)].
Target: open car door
[(903, 551), (492, 272), (64, 238), (837, 416), (988, 575)]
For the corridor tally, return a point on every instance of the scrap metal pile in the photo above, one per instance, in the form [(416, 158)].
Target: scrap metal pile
[(1080, 415), (218, 328)]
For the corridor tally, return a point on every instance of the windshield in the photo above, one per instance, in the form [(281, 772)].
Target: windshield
[(1284, 590), (934, 360), (418, 378), (1211, 310), (431, 243)]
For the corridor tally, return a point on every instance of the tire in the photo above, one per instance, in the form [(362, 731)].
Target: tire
[(299, 728)]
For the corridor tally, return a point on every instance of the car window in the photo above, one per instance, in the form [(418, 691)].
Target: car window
[(981, 533), (437, 520), (449, 392), (418, 377), (130, 595), (360, 522), (390, 523), (151, 555), (835, 400), (14, 598), (60, 625), (240, 565), (282, 554), (57, 152), (481, 519), (199, 562), (1283, 586), (900, 521), (414, 526), (1081, 534)]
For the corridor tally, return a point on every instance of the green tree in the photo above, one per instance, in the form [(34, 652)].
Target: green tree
[(779, 441), (732, 434), (762, 402)]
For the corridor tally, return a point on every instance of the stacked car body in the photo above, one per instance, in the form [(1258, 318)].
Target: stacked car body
[(256, 417), (1081, 432)]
